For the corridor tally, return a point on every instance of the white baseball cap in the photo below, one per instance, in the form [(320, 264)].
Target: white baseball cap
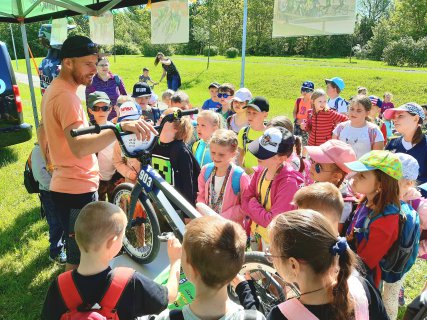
[(243, 94), (410, 166), (129, 110), (274, 140)]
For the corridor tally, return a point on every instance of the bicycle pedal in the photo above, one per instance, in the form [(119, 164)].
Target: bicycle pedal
[(165, 236)]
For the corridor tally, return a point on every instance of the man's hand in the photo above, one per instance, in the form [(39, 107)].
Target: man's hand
[(174, 249), (141, 128)]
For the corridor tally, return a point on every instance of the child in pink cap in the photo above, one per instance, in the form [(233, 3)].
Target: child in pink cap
[(328, 166)]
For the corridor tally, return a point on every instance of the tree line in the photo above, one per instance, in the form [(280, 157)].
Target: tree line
[(395, 31)]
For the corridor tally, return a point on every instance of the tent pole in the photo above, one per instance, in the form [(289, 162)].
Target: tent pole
[(14, 48), (30, 76), (245, 20)]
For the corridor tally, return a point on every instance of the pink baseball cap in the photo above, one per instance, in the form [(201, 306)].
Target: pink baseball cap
[(333, 151)]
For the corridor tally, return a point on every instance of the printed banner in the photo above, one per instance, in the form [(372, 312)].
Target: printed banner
[(313, 17), (102, 28), (170, 22), (59, 31)]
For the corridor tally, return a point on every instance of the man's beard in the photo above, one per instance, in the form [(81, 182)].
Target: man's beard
[(81, 79)]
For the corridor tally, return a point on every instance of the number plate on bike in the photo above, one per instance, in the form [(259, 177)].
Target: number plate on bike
[(145, 178)]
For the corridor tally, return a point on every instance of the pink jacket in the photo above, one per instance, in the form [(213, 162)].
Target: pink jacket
[(231, 204), (414, 198), (283, 188), (125, 168)]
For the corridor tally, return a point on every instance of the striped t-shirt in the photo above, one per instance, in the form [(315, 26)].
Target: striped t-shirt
[(321, 125)]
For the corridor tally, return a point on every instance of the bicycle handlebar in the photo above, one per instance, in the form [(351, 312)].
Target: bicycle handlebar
[(98, 128)]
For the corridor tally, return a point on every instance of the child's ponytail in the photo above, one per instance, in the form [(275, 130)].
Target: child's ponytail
[(298, 151), (342, 304)]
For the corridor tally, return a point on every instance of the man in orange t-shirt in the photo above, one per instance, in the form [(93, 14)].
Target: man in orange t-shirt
[(75, 176)]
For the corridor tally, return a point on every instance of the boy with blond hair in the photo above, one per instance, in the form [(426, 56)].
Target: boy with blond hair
[(323, 197), (100, 229), (210, 244)]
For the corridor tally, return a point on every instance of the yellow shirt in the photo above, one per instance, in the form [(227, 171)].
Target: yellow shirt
[(249, 160), (262, 187)]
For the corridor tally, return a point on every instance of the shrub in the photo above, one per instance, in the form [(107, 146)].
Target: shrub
[(213, 51), (150, 50), (360, 52), (231, 52), (125, 48), (406, 51)]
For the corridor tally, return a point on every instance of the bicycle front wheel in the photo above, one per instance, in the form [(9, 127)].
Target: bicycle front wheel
[(265, 279), (141, 240)]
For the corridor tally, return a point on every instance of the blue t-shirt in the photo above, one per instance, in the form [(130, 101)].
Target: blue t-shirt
[(211, 105), (418, 152), (202, 152)]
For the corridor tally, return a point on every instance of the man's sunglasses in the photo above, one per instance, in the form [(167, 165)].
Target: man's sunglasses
[(103, 108), (223, 95), (102, 65), (306, 90), (92, 47)]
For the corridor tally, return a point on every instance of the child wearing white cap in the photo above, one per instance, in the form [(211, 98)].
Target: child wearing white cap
[(238, 120)]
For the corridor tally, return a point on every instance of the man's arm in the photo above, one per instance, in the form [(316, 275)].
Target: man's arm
[(92, 143)]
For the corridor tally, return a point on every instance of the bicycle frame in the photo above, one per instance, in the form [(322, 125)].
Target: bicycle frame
[(150, 183)]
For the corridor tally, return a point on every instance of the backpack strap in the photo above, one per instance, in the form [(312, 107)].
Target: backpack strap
[(297, 103), (208, 171), (245, 137), (195, 146), (340, 128), (361, 306), (117, 80), (68, 290), (235, 179), (372, 133), (119, 279), (293, 309), (176, 314)]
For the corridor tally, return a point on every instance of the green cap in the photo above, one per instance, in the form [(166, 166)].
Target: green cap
[(96, 97), (383, 160)]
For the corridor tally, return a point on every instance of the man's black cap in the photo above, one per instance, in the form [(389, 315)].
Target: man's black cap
[(78, 46), (260, 104)]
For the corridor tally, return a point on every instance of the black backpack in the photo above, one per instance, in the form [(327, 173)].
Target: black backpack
[(30, 183)]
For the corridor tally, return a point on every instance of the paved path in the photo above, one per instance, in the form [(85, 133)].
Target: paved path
[(23, 78)]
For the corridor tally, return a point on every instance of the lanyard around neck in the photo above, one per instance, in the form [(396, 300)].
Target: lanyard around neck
[(267, 193)]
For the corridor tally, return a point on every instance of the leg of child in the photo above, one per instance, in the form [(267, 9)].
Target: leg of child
[(391, 298), (55, 227)]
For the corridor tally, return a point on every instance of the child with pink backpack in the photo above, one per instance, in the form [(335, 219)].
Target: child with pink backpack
[(221, 182)]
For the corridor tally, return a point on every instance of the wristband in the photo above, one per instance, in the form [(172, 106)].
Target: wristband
[(119, 127)]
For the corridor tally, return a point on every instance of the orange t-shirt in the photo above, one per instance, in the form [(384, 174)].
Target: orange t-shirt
[(302, 109), (60, 108)]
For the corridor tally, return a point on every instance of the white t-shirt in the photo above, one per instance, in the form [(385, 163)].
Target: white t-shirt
[(342, 105), (407, 145), (217, 187), (358, 138), (105, 163), (236, 312)]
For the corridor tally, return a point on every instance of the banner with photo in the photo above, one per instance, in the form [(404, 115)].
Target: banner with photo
[(59, 31), (294, 18), (102, 28), (170, 22)]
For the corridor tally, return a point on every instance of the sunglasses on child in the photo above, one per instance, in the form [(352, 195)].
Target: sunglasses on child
[(223, 95), (103, 108)]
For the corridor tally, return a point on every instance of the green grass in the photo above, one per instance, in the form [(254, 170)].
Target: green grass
[(25, 271)]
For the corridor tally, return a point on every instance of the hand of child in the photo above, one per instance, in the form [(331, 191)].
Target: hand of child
[(303, 125), (174, 249), (142, 129), (132, 176), (239, 278)]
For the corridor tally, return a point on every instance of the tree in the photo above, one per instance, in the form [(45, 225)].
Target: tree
[(374, 10)]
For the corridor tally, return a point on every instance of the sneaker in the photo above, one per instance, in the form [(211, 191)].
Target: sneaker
[(61, 258), (401, 296)]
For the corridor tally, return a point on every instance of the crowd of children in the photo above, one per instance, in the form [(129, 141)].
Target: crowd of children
[(330, 158)]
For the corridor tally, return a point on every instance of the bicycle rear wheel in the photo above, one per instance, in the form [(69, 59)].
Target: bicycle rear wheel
[(141, 240), (266, 281)]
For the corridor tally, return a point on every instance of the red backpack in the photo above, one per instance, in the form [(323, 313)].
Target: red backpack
[(76, 309)]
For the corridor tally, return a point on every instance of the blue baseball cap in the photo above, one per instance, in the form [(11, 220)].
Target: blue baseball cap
[(337, 81), (307, 86)]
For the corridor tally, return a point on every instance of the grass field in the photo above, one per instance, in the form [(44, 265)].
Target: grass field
[(25, 271)]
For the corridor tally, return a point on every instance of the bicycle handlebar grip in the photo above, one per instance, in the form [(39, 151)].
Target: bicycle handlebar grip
[(189, 112), (82, 131)]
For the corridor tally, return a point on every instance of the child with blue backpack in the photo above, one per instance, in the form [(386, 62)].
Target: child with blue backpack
[(380, 224), (221, 182)]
